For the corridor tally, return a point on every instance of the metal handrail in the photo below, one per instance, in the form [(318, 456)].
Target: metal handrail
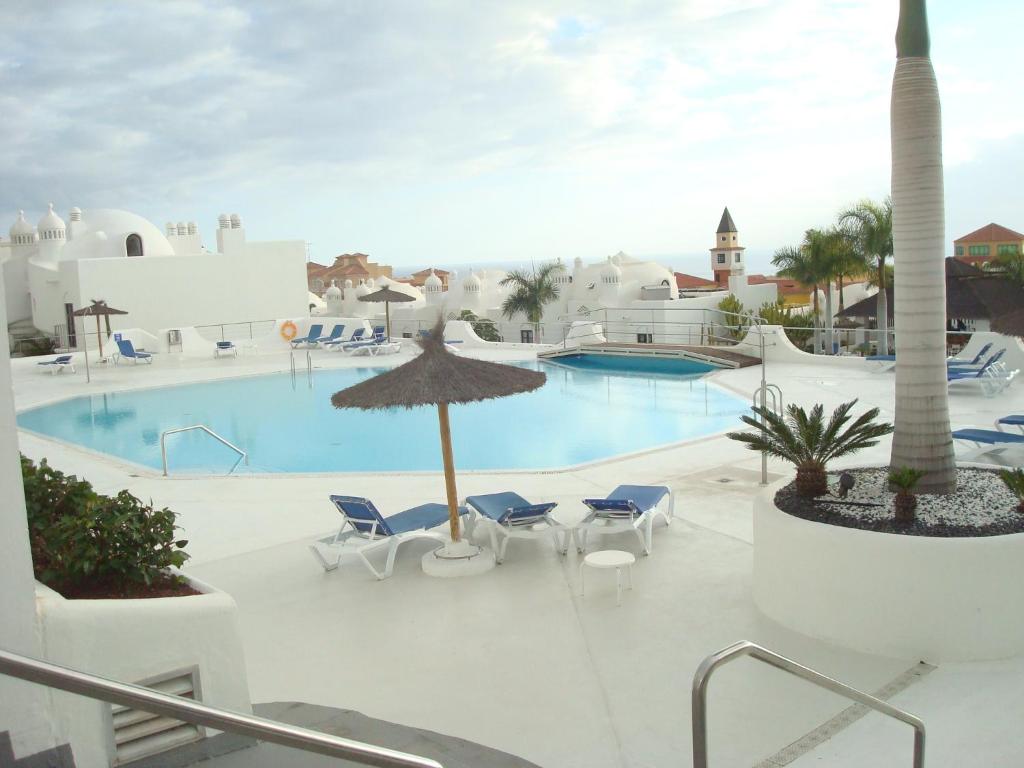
[(189, 711), (163, 446), (746, 648)]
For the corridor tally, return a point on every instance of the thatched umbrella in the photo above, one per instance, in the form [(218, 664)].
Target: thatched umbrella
[(1010, 323), (438, 377), (99, 309), (387, 295)]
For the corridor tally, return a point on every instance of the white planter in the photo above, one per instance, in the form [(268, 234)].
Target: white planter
[(916, 597), (140, 640)]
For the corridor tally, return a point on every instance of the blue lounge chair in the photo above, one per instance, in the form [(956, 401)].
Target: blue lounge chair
[(990, 444), (1013, 420), (339, 343), (336, 334), (511, 516), (369, 530), (954, 361), (628, 507), (225, 348), (310, 338), (126, 349), (376, 339), (58, 364), (970, 367)]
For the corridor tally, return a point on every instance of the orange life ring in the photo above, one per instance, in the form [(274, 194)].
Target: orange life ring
[(289, 330)]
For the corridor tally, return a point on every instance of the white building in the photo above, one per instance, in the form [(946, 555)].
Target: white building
[(161, 280), (633, 300)]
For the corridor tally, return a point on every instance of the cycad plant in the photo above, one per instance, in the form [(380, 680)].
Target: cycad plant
[(530, 292), (1014, 479), (903, 480), (808, 442)]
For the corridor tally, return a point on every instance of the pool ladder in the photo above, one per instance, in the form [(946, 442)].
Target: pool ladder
[(769, 397), (242, 455), (309, 369)]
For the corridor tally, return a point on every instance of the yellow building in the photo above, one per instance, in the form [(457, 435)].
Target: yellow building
[(983, 245)]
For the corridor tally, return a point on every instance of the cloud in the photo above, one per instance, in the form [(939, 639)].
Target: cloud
[(371, 109)]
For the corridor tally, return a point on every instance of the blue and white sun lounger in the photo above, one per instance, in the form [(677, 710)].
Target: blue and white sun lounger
[(58, 364), (225, 348), (991, 444), (628, 507), (969, 367), (510, 516), (1013, 420), (340, 343), (336, 333), (368, 531), (310, 338), (955, 361), (126, 349)]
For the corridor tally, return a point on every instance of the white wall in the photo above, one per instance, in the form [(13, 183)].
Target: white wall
[(23, 710), (134, 641), (167, 292), (15, 278)]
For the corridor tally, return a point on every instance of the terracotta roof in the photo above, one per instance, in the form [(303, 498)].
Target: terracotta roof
[(692, 281), (312, 268), (426, 272), (970, 294), (784, 284), (991, 233)]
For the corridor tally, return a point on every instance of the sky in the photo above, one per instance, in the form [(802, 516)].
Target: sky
[(484, 131)]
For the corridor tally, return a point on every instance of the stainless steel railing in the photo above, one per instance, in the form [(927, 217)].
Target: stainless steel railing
[(189, 711), (242, 455), (747, 648)]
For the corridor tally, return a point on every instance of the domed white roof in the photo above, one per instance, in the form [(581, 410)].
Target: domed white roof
[(21, 226), (433, 282), (102, 234), (611, 270), (348, 283), (471, 283), (362, 289), (334, 292), (50, 222)]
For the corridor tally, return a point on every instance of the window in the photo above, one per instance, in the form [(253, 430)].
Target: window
[(1008, 249), (133, 245), (977, 250), (959, 250), (737, 258), (734, 238), (723, 238), (526, 336), (721, 258), (645, 338)]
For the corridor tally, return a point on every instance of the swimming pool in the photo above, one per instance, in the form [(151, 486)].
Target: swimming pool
[(288, 425)]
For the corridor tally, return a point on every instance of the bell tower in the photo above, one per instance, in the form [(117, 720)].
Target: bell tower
[(727, 254)]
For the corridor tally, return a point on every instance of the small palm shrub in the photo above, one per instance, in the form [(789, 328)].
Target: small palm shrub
[(79, 537), (808, 442), (736, 322), (903, 480), (1014, 479)]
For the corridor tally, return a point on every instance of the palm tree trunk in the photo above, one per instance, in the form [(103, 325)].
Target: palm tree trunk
[(922, 437), (882, 311), (817, 321), (842, 304), (829, 334)]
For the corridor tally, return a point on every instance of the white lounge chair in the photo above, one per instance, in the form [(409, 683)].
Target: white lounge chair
[(367, 530), (627, 508), (509, 516)]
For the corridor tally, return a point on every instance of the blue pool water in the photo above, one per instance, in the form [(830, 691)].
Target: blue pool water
[(579, 415)]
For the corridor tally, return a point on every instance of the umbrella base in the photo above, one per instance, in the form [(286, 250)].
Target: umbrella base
[(458, 558)]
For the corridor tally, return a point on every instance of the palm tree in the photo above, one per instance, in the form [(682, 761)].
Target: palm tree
[(796, 264), (530, 292), (813, 263), (831, 251), (871, 224), (922, 438)]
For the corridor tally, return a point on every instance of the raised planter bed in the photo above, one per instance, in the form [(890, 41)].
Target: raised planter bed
[(195, 638), (917, 597)]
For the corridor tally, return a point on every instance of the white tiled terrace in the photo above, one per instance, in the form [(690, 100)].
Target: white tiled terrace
[(515, 659)]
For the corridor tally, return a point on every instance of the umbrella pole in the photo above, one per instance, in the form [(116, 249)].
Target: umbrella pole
[(449, 471), (85, 353), (387, 321), (99, 336)]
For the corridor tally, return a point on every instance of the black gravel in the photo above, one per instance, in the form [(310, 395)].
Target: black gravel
[(981, 506)]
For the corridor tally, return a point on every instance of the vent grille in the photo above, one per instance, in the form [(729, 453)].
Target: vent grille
[(140, 734)]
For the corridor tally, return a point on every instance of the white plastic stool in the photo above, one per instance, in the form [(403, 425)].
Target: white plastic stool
[(610, 558)]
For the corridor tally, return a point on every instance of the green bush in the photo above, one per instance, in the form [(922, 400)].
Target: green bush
[(799, 326), (1014, 479), (485, 329), (79, 536), (733, 316)]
